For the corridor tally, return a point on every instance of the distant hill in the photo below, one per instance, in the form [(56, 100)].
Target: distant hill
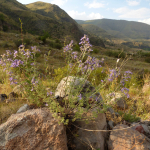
[(121, 28), (96, 30), (39, 17)]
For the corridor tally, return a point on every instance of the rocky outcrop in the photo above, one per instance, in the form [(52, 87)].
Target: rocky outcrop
[(33, 130), (127, 139)]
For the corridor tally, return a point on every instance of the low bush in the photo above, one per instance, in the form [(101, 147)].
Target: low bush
[(18, 43), (95, 50), (115, 54), (55, 45), (147, 60)]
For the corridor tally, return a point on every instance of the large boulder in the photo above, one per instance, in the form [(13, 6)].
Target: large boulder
[(87, 139), (33, 130), (126, 139), (70, 85)]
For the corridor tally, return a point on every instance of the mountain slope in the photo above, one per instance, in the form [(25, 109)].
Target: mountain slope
[(39, 17), (121, 28), (96, 30), (56, 13)]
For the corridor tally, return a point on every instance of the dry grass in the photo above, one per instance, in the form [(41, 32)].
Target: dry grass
[(6, 110)]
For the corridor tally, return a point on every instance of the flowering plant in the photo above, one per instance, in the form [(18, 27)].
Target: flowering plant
[(22, 68)]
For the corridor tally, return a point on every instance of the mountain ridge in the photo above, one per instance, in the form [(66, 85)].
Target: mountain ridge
[(121, 28)]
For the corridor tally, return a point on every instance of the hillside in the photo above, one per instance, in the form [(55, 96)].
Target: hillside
[(46, 17), (121, 28), (56, 13), (96, 30)]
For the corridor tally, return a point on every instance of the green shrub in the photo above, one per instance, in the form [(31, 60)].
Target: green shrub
[(2, 18), (27, 41), (129, 117), (57, 41), (97, 75), (5, 28), (55, 45), (5, 45), (147, 60), (95, 50), (115, 54), (18, 42)]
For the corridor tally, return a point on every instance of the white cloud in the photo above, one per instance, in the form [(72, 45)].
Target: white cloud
[(141, 13), (133, 2), (76, 15), (147, 21), (59, 2), (94, 4), (121, 10), (95, 16), (83, 16)]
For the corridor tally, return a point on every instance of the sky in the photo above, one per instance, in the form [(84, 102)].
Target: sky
[(131, 10)]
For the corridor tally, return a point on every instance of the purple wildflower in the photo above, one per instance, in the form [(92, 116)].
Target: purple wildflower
[(68, 47), (125, 77), (12, 80), (74, 55), (34, 82), (85, 44), (80, 96), (113, 74), (27, 54), (16, 63), (8, 53), (49, 93), (34, 49), (15, 53), (46, 104), (125, 91)]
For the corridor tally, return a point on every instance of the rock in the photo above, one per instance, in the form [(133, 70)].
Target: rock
[(34, 129), (19, 89), (119, 99), (111, 124), (142, 128), (146, 129), (110, 110), (3, 97), (127, 139), (71, 85), (87, 139), (11, 97), (23, 108)]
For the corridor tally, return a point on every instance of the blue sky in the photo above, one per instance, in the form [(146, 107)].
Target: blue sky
[(131, 10)]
